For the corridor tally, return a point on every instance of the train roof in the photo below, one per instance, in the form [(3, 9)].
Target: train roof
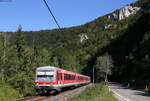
[(53, 68), (46, 68)]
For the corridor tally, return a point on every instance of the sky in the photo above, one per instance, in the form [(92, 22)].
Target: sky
[(34, 16)]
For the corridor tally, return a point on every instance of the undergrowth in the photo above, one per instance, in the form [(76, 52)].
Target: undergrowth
[(98, 92), (7, 93)]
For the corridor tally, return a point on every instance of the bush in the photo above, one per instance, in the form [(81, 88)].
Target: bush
[(7, 93), (22, 83)]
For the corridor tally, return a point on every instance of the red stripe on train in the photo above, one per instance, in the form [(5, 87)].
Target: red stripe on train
[(44, 83)]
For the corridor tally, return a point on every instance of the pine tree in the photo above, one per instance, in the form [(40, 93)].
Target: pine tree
[(20, 50), (19, 42)]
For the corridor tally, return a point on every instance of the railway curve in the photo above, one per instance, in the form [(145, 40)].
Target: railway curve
[(62, 96)]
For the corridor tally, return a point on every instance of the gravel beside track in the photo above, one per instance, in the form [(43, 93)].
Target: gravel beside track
[(31, 98)]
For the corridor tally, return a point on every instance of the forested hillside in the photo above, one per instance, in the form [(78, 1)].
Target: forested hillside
[(115, 45)]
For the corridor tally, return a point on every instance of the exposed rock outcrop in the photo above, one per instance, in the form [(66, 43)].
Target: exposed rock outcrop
[(124, 12), (107, 26), (83, 37), (127, 11)]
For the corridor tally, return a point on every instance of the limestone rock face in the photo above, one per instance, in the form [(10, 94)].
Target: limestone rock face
[(83, 37), (114, 16), (107, 26), (124, 12), (127, 11)]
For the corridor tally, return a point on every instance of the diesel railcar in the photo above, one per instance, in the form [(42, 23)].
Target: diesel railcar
[(49, 79)]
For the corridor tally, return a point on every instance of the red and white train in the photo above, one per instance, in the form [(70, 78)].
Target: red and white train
[(51, 79)]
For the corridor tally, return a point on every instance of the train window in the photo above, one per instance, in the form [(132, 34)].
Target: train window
[(69, 77), (81, 78), (45, 78), (65, 76), (60, 76), (45, 75)]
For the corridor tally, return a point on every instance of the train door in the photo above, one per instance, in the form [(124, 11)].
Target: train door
[(59, 78)]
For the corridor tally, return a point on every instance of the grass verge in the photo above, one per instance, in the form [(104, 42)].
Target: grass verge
[(7, 93), (98, 92)]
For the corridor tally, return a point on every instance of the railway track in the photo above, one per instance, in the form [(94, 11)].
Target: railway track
[(63, 96), (32, 98)]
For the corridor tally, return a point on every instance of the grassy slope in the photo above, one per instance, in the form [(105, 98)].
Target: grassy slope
[(7, 93), (98, 92)]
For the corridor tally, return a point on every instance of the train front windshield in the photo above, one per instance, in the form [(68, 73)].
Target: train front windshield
[(45, 76)]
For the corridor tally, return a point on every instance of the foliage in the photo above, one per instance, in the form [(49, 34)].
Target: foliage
[(20, 64), (98, 92), (103, 67), (7, 93), (22, 83)]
